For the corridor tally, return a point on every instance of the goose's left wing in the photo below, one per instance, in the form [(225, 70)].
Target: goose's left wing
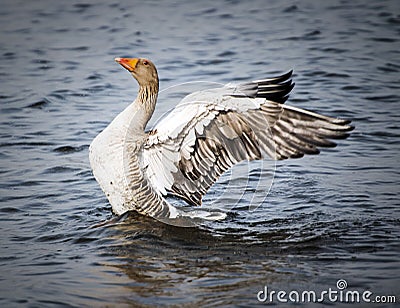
[(210, 131)]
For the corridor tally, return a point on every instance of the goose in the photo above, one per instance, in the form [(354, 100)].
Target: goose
[(206, 134)]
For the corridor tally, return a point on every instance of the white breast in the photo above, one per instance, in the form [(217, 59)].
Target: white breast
[(106, 155)]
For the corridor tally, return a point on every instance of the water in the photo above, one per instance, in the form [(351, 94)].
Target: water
[(327, 217)]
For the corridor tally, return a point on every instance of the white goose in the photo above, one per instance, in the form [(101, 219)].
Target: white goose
[(205, 135)]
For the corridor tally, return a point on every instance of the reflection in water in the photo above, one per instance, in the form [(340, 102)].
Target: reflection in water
[(207, 265), (188, 264)]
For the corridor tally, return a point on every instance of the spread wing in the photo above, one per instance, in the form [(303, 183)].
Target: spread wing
[(210, 131)]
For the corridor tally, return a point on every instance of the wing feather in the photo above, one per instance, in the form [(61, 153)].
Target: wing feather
[(210, 131)]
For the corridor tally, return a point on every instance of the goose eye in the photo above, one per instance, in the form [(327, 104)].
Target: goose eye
[(145, 62)]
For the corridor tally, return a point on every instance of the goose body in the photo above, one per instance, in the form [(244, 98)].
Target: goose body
[(206, 134)]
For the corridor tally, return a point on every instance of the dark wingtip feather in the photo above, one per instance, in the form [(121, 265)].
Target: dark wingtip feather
[(345, 127), (351, 127), (275, 89), (283, 99), (278, 93), (341, 136), (275, 79)]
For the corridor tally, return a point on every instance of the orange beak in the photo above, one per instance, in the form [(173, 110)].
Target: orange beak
[(128, 63)]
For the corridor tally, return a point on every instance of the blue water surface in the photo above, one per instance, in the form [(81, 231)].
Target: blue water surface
[(327, 217)]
